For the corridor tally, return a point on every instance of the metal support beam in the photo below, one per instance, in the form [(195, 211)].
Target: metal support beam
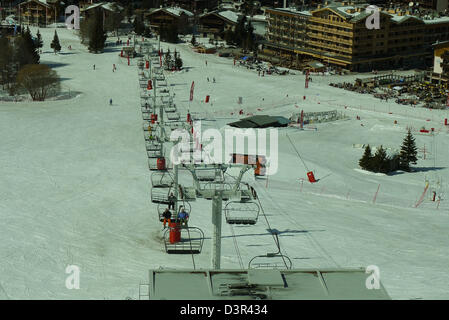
[(216, 224)]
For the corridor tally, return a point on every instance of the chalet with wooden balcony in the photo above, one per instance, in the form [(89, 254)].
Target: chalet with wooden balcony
[(214, 24), (37, 12), (167, 16)]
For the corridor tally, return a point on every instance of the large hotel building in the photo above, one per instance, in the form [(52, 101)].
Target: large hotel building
[(338, 36)]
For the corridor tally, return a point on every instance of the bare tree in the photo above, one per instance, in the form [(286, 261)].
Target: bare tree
[(39, 80)]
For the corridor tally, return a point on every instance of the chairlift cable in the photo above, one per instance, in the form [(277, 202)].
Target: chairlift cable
[(236, 247), (305, 166), (191, 249), (276, 240)]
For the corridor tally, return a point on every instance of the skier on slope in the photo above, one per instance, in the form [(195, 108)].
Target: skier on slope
[(110, 102)]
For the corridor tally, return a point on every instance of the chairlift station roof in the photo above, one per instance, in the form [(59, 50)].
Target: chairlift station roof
[(291, 284)]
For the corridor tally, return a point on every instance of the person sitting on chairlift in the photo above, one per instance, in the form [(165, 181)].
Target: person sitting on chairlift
[(183, 216), (167, 216), (171, 201)]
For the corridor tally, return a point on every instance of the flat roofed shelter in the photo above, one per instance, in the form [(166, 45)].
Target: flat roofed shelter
[(293, 284), (260, 121)]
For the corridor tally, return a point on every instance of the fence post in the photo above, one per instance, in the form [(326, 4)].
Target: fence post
[(375, 195)]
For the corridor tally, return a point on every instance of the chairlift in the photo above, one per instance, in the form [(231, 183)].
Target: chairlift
[(270, 261), (146, 108), (208, 174), (160, 195), (241, 212), (176, 125), (170, 108), (161, 179), (152, 164), (154, 135), (153, 145), (173, 116), (247, 192), (217, 186), (274, 260), (183, 240), (146, 126), (154, 153), (174, 213)]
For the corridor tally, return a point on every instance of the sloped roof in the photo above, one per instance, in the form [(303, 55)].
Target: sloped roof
[(174, 11), (227, 15), (41, 2), (109, 6)]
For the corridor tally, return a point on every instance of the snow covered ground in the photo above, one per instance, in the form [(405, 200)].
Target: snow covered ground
[(75, 184)]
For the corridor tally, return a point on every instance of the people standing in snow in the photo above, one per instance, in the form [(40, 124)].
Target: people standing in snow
[(94, 67), (110, 102)]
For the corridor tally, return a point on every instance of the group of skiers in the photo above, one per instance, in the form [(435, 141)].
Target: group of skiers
[(182, 216)]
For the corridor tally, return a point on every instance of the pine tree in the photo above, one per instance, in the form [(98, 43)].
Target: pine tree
[(408, 154), (39, 42), (97, 35), (6, 61), (55, 45), (139, 27), (366, 161), (178, 61), (147, 32), (380, 161), (31, 54), (168, 60)]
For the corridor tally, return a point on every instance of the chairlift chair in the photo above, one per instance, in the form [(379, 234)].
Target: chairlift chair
[(173, 116), (170, 108), (153, 145), (154, 134), (207, 174), (161, 179), (160, 195), (174, 213), (191, 241), (241, 212), (270, 261), (152, 164), (154, 153), (146, 116)]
